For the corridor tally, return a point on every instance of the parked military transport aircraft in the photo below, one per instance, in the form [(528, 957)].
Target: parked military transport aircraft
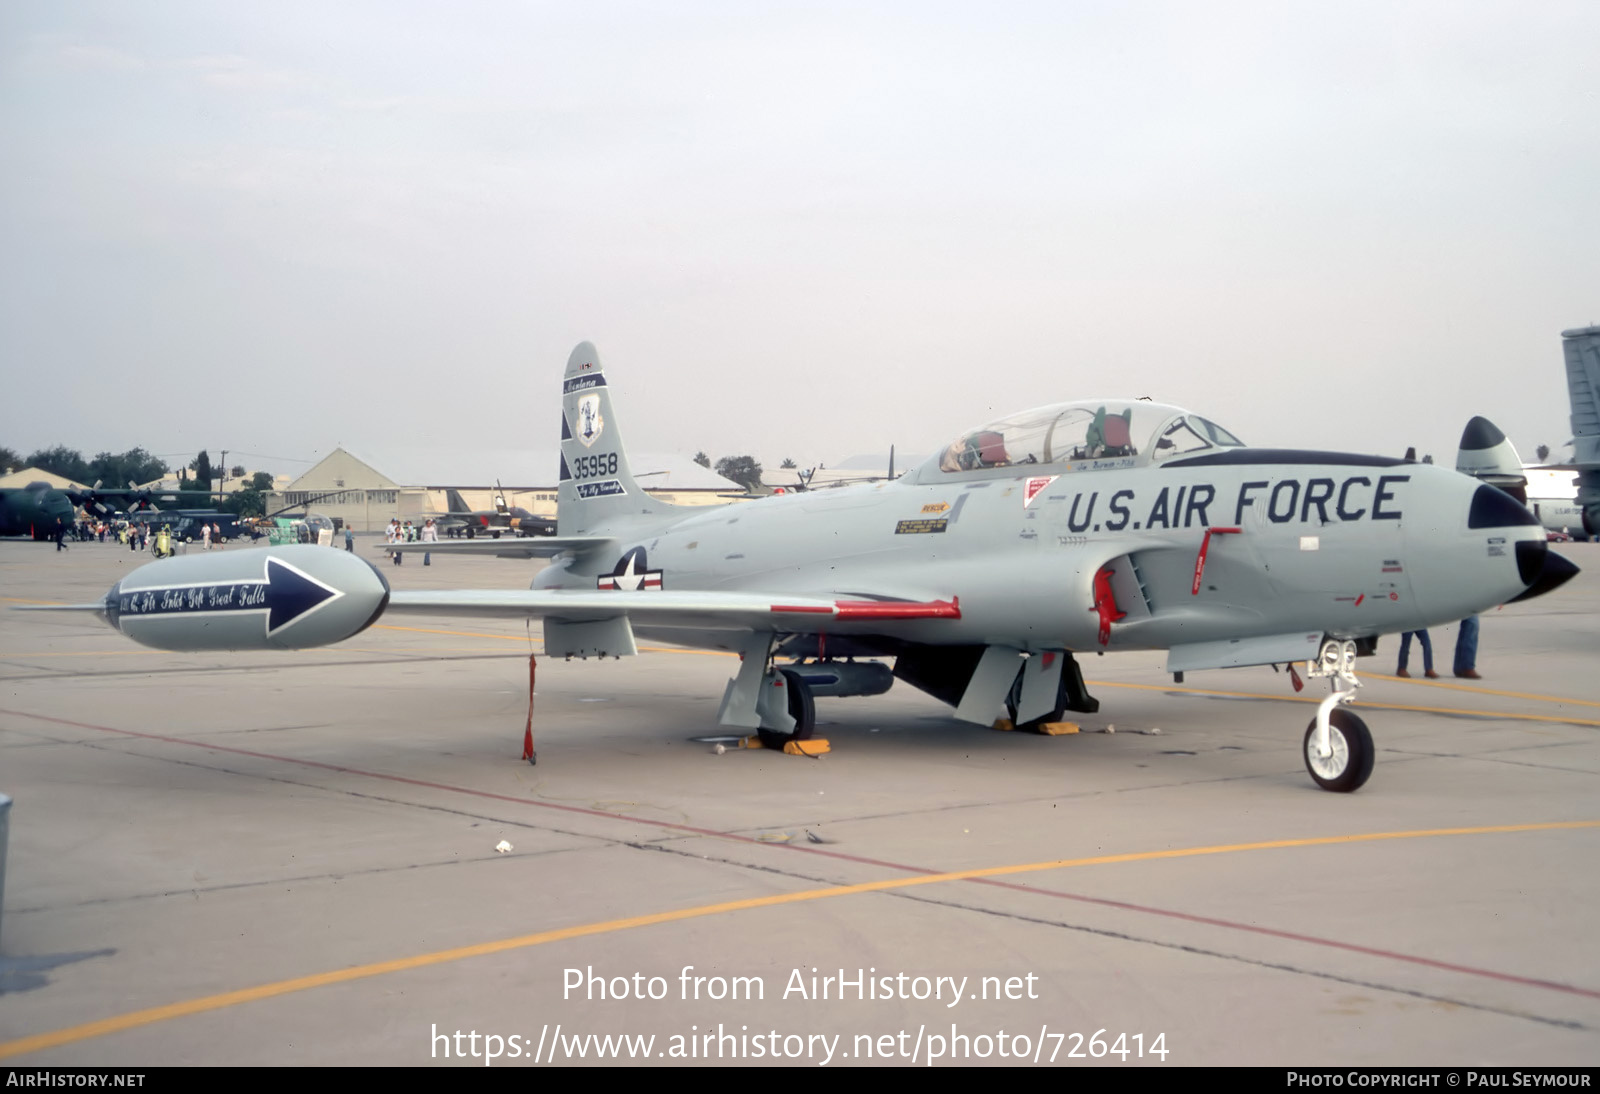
[(40, 510), (1105, 525)]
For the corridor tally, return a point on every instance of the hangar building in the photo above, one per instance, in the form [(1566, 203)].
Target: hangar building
[(352, 489)]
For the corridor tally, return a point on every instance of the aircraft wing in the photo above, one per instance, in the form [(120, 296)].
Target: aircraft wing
[(673, 609), (509, 546)]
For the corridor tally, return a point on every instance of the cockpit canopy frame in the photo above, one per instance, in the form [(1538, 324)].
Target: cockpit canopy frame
[(1085, 435)]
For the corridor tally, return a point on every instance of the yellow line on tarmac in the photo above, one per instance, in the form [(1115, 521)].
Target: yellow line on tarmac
[(1362, 704), (134, 1019), (1488, 691)]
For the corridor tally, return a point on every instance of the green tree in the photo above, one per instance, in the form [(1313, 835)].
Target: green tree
[(237, 471), (261, 481), (743, 470), (1542, 453), (116, 471), (9, 460), (702, 459), (246, 501), (201, 466), (787, 464), (63, 461)]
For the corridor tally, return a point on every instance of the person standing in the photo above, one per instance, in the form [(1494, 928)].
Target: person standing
[(1466, 665), (430, 534), (1427, 655), (205, 535)]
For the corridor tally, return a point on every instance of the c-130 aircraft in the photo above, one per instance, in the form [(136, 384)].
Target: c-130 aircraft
[(1102, 526)]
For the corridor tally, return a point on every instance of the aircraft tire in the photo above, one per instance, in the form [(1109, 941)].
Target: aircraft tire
[(1015, 696), (1353, 753), (802, 708)]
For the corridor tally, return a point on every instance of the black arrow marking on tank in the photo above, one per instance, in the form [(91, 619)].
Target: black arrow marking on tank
[(285, 593), (293, 593)]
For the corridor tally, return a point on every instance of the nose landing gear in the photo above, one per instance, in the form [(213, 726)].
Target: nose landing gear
[(1338, 747)]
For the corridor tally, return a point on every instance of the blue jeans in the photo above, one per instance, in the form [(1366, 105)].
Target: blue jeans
[(1427, 650), (1467, 645)]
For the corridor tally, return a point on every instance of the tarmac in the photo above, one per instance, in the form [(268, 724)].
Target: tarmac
[(337, 856)]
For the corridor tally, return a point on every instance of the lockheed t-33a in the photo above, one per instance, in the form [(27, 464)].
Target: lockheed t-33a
[(1102, 526)]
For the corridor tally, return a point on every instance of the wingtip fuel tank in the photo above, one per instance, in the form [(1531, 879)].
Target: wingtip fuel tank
[(291, 597)]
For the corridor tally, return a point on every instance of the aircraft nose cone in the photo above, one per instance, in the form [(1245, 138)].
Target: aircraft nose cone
[(1541, 569)]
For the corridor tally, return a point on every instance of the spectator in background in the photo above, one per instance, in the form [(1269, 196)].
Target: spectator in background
[(1467, 649), (1427, 654)]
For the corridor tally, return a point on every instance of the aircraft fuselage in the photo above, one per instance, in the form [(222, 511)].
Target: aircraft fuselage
[(1344, 545)]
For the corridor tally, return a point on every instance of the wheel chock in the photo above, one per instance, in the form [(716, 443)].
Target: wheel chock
[(1058, 729), (817, 746), (1004, 725)]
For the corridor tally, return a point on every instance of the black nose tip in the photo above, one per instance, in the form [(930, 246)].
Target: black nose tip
[(1541, 569)]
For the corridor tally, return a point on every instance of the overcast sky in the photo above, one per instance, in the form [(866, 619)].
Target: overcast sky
[(799, 230)]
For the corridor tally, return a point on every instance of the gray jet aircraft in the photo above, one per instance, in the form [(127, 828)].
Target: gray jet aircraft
[(1096, 526)]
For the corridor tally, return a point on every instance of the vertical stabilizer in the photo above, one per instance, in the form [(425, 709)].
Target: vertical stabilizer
[(596, 484), (1582, 347)]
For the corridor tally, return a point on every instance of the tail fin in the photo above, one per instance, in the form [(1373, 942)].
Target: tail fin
[(1582, 348), (1487, 454), (596, 483), (458, 504)]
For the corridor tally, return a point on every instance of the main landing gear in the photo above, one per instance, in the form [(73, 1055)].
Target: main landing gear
[(776, 703), (801, 708), (1338, 748)]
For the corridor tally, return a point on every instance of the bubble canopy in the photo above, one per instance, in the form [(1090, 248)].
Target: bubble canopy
[(1087, 435)]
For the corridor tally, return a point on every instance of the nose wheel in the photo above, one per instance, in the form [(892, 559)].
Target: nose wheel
[(1348, 763), (1338, 748)]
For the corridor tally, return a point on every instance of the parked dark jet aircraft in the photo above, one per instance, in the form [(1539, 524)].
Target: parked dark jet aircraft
[(503, 519), (1105, 525)]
